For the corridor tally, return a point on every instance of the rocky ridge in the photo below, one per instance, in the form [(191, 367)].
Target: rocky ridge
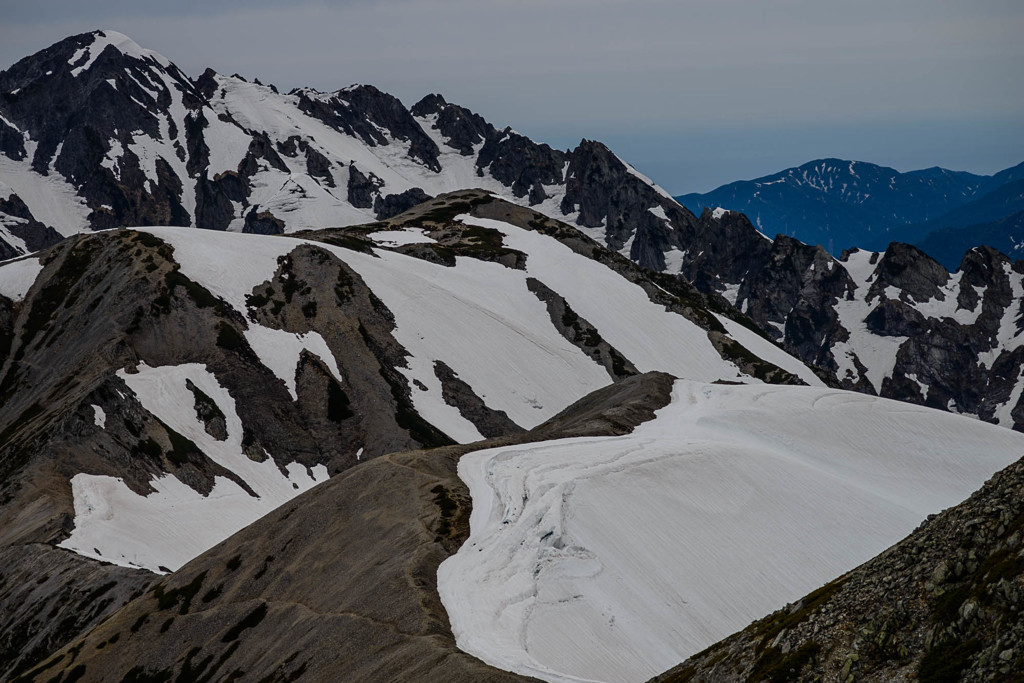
[(137, 142), (894, 323)]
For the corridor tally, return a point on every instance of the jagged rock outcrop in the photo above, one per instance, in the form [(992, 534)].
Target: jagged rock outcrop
[(139, 143), (896, 323)]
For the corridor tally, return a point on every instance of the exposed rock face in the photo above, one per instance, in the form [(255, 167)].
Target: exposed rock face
[(944, 604), (17, 220), (896, 324), (363, 111), (394, 204), (462, 129), (381, 619), (137, 142)]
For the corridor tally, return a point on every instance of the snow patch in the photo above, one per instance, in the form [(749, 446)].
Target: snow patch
[(612, 559), (17, 277), (398, 238), (280, 352)]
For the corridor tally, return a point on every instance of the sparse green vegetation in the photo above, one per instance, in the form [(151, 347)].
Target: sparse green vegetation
[(266, 564), (944, 663), (139, 623), (56, 291), (771, 626), (447, 506), (199, 294), (213, 593), (343, 287), (150, 447), (776, 667)]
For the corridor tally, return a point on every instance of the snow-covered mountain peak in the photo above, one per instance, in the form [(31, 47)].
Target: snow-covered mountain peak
[(85, 56)]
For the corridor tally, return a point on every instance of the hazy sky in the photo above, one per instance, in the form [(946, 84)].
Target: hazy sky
[(694, 93)]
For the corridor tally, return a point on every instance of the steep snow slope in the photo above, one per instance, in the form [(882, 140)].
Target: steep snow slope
[(611, 559)]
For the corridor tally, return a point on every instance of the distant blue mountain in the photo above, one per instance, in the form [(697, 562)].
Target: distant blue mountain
[(948, 245), (838, 203)]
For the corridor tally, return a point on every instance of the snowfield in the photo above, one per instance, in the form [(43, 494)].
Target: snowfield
[(613, 559)]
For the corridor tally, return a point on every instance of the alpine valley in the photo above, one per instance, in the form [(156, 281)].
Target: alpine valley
[(313, 386)]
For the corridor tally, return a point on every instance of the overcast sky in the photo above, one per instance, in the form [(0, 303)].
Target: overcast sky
[(693, 93)]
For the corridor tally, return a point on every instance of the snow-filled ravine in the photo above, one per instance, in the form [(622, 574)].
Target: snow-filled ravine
[(615, 558)]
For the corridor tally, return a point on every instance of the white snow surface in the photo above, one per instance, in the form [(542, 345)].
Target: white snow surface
[(877, 353), (175, 523), (99, 417), (626, 318), (50, 198), (280, 351), (615, 558), (398, 238), (124, 44), (17, 277)]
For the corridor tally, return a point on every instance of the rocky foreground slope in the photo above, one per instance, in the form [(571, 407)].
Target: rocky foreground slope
[(944, 604)]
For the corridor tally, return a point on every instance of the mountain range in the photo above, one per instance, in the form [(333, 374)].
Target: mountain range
[(841, 204), (314, 386)]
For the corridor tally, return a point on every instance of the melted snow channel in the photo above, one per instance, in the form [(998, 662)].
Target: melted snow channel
[(175, 523), (613, 559)]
